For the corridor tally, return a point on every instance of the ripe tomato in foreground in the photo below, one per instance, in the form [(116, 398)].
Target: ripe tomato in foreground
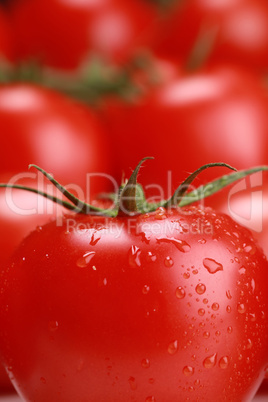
[(16, 221), (166, 305), (5, 384), (247, 204)]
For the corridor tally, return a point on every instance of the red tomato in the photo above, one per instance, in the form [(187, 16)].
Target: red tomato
[(5, 384), (43, 127), (65, 33), (145, 308), (20, 213), (50, 130), (5, 37), (225, 30), (247, 203), (217, 115)]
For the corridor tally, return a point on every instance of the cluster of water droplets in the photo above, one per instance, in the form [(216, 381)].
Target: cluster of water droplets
[(210, 312)]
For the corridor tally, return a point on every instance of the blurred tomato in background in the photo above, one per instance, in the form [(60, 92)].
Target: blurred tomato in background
[(213, 115), (65, 33), (62, 136), (209, 31), (23, 211), (6, 52)]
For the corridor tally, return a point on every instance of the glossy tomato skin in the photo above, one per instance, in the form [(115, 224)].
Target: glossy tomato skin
[(136, 309), (42, 127), (20, 213), (5, 383), (110, 29), (247, 204), (50, 130), (23, 211), (215, 114), (233, 31)]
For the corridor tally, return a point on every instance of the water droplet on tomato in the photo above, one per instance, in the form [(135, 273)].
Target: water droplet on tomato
[(201, 312), (241, 308), (180, 292), (252, 285), (229, 330), (188, 371), (160, 213), (206, 334), (249, 248), (168, 262), (215, 306), (145, 289), (228, 294), (224, 362), (145, 363), (84, 261), (186, 275), (181, 245), (150, 257), (228, 309), (242, 270), (134, 257), (200, 288), (252, 317), (132, 382), (210, 361), (53, 325), (95, 238), (173, 347), (212, 266), (150, 399)]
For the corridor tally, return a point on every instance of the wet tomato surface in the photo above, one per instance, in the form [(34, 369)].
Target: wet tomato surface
[(169, 305)]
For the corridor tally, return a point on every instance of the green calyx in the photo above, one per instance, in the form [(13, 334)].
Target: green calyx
[(131, 198)]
